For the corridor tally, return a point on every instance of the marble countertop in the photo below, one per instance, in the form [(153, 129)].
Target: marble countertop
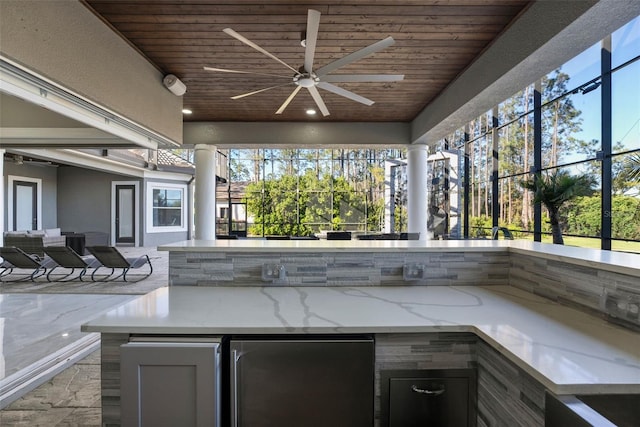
[(620, 262), (566, 350), (333, 245)]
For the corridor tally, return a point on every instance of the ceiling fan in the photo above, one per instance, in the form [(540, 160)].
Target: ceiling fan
[(312, 79)]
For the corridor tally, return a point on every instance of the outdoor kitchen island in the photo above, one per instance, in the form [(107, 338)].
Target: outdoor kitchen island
[(520, 344)]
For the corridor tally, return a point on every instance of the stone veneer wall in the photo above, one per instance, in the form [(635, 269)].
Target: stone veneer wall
[(615, 296), (338, 268), (433, 350), (110, 382), (507, 396)]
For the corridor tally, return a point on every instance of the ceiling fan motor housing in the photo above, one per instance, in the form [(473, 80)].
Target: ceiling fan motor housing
[(306, 80)]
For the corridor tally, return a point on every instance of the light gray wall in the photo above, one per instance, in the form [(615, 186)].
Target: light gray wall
[(48, 175), (84, 199), (157, 239), (66, 43)]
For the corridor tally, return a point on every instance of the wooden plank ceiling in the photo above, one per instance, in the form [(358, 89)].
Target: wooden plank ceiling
[(435, 40)]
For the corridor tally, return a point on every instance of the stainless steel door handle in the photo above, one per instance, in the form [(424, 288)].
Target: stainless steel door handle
[(438, 392)]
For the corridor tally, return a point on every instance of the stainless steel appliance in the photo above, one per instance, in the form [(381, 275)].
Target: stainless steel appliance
[(428, 397), (306, 381)]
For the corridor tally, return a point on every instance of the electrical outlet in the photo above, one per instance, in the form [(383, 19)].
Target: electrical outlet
[(274, 273), (413, 271)]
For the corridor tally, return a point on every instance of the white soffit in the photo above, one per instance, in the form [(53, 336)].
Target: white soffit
[(83, 160), (59, 137), (33, 89)]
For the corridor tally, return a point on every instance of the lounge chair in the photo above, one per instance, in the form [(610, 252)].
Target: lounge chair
[(111, 258), (66, 257), (17, 258)]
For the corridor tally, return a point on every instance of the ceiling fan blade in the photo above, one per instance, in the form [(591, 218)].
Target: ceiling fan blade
[(258, 91), (313, 22), (248, 42), (343, 92), (288, 100), (318, 99), (359, 54), (357, 78), (224, 70)]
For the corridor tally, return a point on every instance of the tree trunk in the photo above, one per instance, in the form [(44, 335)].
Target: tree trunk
[(489, 157), (510, 202), (554, 140), (556, 230)]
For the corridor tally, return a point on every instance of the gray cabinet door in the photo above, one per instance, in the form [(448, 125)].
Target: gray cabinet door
[(169, 384)]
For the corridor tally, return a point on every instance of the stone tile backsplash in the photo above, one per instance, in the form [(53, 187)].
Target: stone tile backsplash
[(614, 295), (336, 269)]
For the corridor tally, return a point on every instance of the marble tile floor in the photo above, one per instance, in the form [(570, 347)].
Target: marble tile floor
[(40, 329)]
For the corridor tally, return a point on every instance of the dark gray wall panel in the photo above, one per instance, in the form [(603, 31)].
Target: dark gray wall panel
[(84, 199)]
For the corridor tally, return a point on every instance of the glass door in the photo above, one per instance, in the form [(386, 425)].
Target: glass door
[(125, 214), (25, 205)]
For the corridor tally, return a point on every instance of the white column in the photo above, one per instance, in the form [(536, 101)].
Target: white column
[(205, 192), (417, 190), (2, 206), (388, 201)]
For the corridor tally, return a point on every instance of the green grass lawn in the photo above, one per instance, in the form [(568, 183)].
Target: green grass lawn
[(587, 242)]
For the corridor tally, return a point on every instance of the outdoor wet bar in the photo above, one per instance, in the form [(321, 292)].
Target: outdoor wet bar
[(526, 328)]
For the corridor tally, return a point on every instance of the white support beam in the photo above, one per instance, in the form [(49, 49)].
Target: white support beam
[(60, 137), (300, 134), (205, 192), (418, 190), (33, 89)]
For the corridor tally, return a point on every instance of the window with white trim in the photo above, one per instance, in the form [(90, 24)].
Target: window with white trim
[(167, 207)]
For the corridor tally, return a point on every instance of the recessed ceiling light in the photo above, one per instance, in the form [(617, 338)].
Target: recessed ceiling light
[(310, 111), (186, 111)]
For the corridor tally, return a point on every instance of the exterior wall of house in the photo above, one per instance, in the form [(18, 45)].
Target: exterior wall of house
[(49, 190), (153, 236), (84, 199), (151, 240)]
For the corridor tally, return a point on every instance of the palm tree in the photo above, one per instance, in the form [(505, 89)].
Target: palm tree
[(632, 167), (553, 191)]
